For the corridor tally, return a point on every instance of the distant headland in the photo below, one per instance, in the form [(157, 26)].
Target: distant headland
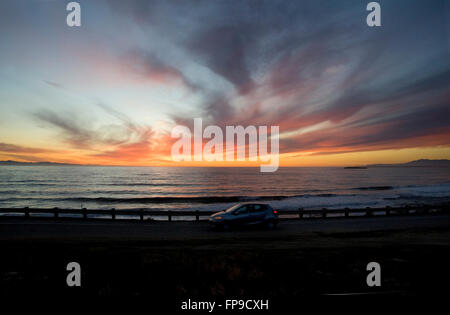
[(417, 163), (9, 162)]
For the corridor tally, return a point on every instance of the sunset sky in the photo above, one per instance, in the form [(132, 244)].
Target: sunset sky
[(109, 92)]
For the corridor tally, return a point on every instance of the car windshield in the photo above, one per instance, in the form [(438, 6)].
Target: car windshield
[(233, 208)]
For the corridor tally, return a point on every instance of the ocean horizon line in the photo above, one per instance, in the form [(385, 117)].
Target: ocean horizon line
[(420, 162)]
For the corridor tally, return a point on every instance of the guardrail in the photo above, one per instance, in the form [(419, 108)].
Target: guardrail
[(169, 215)]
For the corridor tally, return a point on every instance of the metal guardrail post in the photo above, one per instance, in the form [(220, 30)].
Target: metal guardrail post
[(55, 212), (324, 212), (169, 215), (346, 212), (141, 215), (84, 213), (27, 212), (300, 213), (197, 215), (113, 213)]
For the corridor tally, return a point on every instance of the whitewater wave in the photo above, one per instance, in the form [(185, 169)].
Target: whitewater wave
[(439, 190), (178, 199), (309, 191)]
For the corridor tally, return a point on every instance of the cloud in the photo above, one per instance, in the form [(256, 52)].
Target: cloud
[(427, 126), (71, 128), (150, 67), (113, 143), (25, 153), (298, 65), (13, 148), (331, 83), (130, 151), (79, 133), (223, 49)]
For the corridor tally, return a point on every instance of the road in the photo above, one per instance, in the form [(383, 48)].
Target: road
[(16, 229)]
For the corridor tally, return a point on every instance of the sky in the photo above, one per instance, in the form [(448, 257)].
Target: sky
[(110, 92)]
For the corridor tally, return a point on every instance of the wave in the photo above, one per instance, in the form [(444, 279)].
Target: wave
[(374, 188), (363, 195), (196, 199), (150, 184), (439, 190), (178, 199)]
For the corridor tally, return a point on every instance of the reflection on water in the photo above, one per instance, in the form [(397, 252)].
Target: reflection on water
[(216, 188)]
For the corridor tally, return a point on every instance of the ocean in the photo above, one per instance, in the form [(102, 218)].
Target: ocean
[(215, 188)]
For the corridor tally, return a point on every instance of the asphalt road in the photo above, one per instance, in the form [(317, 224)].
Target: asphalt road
[(16, 229)]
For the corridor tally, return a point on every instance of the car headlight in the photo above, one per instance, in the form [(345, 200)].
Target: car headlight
[(218, 218)]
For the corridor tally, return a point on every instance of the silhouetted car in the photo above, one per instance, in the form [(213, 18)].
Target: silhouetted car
[(245, 214)]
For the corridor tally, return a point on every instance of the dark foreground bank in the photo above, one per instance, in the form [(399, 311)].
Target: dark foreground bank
[(169, 263)]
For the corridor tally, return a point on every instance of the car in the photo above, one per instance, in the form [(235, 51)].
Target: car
[(244, 214)]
